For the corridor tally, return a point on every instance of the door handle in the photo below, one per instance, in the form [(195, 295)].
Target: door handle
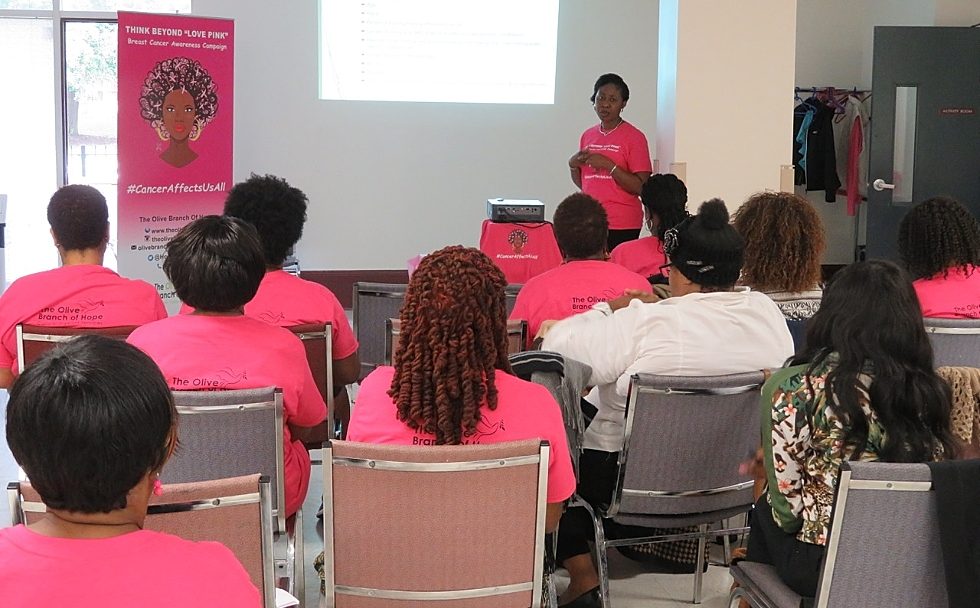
[(880, 184)]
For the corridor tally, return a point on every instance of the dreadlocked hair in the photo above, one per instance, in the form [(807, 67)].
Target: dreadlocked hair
[(937, 235), (453, 338), (784, 240)]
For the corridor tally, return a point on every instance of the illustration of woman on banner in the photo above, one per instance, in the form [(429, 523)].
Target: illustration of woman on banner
[(178, 99)]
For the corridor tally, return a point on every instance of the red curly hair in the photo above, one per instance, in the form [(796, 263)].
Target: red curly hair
[(453, 338)]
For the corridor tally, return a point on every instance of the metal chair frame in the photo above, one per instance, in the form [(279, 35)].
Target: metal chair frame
[(394, 291)]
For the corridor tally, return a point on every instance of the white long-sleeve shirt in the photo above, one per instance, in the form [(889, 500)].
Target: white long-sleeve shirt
[(697, 334)]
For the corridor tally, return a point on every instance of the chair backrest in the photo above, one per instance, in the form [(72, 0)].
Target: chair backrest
[(229, 434), (317, 339), (35, 340), (684, 440), (235, 512), (510, 296), (373, 304), (884, 545), (418, 524), (797, 329), (516, 337), (955, 342)]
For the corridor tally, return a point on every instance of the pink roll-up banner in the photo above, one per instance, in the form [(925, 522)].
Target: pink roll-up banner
[(176, 79)]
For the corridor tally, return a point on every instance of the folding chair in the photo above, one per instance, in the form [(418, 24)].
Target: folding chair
[(317, 340), (955, 342), (373, 304), (516, 337), (684, 439), (417, 527), (35, 340), (235, 512), (233, 433), (510, 296), (883, 548)]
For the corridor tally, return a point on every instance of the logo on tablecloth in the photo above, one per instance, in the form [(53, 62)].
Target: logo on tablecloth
[(517, 239)]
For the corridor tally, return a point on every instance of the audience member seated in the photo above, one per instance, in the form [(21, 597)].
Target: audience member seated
[(585, 277), (939, 241), (864, 389), (216, 264), (664, 199), (707, 327), (784, 242), (92, 423), (278, 212), (80, 293), (452, 382)]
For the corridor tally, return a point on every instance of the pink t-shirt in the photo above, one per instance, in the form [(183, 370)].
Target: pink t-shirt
[(200, 352), (643, 256), (627, 147), (285, 300), (955, 296), (572, 288), (81, 295), (521, 251), (524, 411), (144, 568)]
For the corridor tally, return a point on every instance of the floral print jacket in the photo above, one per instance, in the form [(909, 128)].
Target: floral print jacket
[(803, 441)]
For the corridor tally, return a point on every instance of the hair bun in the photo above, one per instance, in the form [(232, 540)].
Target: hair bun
[(713, 214)]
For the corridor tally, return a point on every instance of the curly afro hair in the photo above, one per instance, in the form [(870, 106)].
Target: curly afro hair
[(276, 209), (784, 242), (178, 73), (581, 227), (936, 235)]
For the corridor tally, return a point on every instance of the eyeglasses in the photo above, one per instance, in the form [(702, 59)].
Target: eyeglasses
[(665, 269)]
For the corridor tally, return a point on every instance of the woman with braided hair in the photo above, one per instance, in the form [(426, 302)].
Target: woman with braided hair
[(939, 242), (451, 383)]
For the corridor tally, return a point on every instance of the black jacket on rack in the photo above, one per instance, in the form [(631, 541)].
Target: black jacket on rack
[(821, 157)]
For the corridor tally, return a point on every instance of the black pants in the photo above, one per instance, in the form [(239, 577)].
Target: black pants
[(621, 236), (797, 563), (597, 478)]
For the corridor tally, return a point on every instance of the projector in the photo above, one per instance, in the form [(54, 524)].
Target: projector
[(508, 210)]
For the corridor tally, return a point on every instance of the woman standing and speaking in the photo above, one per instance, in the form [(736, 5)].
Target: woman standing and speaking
[(613, 161)]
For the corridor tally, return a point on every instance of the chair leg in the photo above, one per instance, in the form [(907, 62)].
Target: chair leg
[(699, 568), (728, 550), (299, 565), (602, 563)]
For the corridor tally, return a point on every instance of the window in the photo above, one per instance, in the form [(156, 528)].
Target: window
[(61, 124)]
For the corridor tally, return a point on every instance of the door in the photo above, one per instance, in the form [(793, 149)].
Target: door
[(925, 126)]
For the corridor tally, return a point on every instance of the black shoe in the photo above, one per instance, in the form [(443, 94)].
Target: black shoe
[(589, 599)]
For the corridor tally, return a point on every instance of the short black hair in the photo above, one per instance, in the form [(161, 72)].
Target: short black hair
[(615, 79), (581, 227), (79, 217), (665, 195), (215, 263), (936, 235), (276, 209), (88, 420)]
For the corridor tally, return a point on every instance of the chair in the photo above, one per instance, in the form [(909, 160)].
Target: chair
[(235, 512), (233, 433), (510, 296), (516, 337), (955, 342), (373, 304), (883, 549), (35, 340), (317, 340), (684, 440), (443, 526)]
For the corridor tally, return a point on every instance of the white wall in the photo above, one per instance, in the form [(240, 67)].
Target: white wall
[(389, 180), (731, 115)]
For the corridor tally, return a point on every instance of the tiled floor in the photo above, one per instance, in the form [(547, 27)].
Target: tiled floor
[(631, 587)]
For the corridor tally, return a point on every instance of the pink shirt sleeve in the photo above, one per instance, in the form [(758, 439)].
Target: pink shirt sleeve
[(561, 475), (344, 344), (638, 153)]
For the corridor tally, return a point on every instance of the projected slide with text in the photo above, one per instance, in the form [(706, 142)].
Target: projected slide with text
[(472, 51)]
